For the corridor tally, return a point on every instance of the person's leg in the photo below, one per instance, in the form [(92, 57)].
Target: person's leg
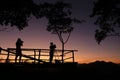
[(20, 58), (51, 58), (16, 58)]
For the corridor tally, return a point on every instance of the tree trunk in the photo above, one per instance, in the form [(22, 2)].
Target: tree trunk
[(62, 52)]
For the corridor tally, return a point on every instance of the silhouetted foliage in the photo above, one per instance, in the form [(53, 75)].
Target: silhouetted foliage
[(60, 20), (107, 13), (17, 12)]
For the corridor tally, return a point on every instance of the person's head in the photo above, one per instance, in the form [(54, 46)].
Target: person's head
[(20, 41), (51, 43)]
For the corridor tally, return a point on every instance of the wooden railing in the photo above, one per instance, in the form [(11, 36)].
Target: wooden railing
[(38, 55)]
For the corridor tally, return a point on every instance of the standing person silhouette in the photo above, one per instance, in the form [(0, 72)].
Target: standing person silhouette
[(19, 43), (52, 50)]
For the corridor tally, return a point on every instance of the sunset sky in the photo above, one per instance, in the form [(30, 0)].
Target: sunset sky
[(81, 39)]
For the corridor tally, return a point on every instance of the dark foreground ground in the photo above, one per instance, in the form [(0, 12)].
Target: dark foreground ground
[(92, 71)]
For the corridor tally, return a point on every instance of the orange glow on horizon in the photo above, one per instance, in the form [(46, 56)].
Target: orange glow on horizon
[(89, 60)]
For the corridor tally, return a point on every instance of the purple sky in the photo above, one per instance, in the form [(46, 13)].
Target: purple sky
[(81, 39)]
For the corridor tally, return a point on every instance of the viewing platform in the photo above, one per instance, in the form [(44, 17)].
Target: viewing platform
[(31, 55)]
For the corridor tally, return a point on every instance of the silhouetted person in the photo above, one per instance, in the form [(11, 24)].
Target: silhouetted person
[(19, 43), (52, 49)]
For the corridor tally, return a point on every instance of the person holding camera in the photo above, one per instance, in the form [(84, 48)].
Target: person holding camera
[(52, 50), (19, 43)]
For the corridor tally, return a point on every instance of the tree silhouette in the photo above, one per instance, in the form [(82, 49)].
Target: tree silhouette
[(60, 22), (107, 13)]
